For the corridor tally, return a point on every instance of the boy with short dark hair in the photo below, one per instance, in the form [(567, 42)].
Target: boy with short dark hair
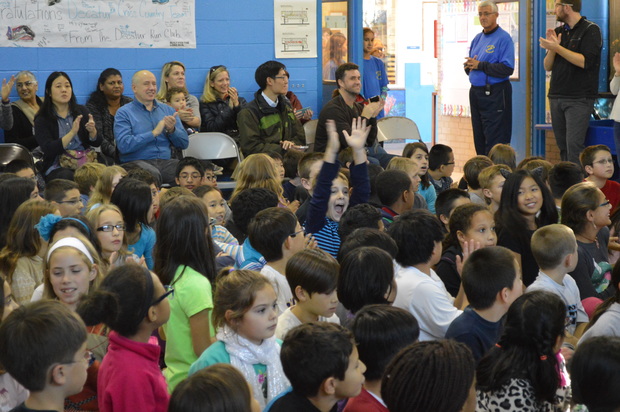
[(555, 249), (65, 195), (448, 201), (599, 166), (418, 234), (190, 173), (362, 215), (322, 364), (293, 189), (562, 176), (471, 170), (492, 281), (396, 193), (43, 347), (21, 168), (440, 167)]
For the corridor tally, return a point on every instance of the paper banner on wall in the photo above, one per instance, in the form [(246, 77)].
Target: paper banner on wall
[(295, 29), (159, 24)]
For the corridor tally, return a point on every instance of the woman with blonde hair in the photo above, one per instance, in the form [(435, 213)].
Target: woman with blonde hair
[(105, 186), (173, 75), (258, 171), (220, 103)]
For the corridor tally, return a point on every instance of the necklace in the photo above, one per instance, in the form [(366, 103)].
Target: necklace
[(588, 240)]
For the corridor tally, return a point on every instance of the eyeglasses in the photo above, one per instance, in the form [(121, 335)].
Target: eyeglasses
[(186, 176), (214, 68), (25, 84), (110, 228), (296, 233), (562, 4), (485, 14), (449, 163), (169, 293), (211, 178), (605, 162), (87, 356), (71, 202), (280, 77), (606, 203)]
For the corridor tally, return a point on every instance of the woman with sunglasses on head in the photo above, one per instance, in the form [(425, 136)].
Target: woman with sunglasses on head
[(173, 75), (220, 103)]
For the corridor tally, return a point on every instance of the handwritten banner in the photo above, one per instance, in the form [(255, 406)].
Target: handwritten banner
[(159, 24)]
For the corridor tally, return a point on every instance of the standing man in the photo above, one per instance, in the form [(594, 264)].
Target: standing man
[(145, 129), (490, 63), (268, 123), (573, 57)]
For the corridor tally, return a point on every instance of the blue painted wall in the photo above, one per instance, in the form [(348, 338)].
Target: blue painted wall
[(238, 34)]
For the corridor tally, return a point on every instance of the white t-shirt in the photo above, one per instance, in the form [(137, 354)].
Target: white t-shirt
[(428, 301), (281, 286), (287, 321), (569, 292)]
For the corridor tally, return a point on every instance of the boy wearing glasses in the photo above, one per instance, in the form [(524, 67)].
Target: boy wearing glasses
[(190, 173), (43, 347), (65, 195), (599, 166), (268, 123)]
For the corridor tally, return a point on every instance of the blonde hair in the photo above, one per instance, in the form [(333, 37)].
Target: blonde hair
[(103, 188), (93, 216), (208, 92), (48, 290), (405, 164), (487, 174), (165, 72), (257, 171), (503, 154), (173, 193), (551, 244), (87, 175)]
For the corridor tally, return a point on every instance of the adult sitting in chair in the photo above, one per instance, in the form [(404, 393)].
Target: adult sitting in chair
[(24, 109)]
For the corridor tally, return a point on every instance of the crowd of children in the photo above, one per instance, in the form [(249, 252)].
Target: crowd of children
[(336, 289)]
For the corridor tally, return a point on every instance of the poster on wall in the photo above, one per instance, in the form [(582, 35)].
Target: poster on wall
[(160, 24), (295, 28)]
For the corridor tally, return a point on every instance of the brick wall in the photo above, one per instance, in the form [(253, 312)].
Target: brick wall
[(456, 132)]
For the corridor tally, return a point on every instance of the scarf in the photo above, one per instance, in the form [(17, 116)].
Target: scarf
[(27, 109), (244, 354)]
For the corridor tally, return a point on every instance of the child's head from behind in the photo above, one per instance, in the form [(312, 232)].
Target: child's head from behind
[(536, 163), (276, 232), (471, 222), (562, 176), (22, 237), (245, 302), (362, 215), (554, 246), (418, 235), (472, 169), (291, 161), (257, 170), (320, 359), (215, 203), (441, 158), (367, 237), (134, 198), (503, 154), (248, 203), (381, 331), (72, 269), (190, 173), (396, 190), (407, 165), (483, 287), (366, 277), (595, 373), (128, 299), (312, 275), (42, 344), (585, 204), (109, 179), (420, 376), (217, 388), (87, 176), (597, 161), (447, 201), (492, 181)]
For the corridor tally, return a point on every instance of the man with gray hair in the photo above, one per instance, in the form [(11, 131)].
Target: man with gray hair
[(145, 129), (573, 58), (490, 63)]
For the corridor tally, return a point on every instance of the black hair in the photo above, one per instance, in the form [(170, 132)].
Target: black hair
[(248, 203), (416, 232), (183, 239), (314, 270), (200, 191), (97, 97), (595, 374), (373, 171), (190, 161), (429, 376), (142, 175), (55, 190), (391, 184), (16, 165), (366, 277), (314, 352), (133, 197), (438, 156), (268, 69), (362, 215), (445, 201), (290, 161), (526, 349), (121, 301), (509, 218), (36, 336), (562, 176), (13, 192), (482, 285), (342, 69), (269, 229), (409, 150), (47, 109), (460, 221), (381, 331), (367, 237)]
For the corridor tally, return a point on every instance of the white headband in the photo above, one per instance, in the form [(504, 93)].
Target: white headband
[(71, 242)]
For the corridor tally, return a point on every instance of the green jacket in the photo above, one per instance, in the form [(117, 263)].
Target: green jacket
[(262, 127)]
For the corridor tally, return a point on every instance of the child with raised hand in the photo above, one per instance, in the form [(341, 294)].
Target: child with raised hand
[(43, 347), (217, 388), (184, 259), (330, 198), (216, 208), (525, 366), (312, 275), (468, 222), (246, 315), (418, 152), (12, 392), (526, 205), (380, 331), (133, 303)]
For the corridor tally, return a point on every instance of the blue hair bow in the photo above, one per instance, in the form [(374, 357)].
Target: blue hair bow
[(46, 225)]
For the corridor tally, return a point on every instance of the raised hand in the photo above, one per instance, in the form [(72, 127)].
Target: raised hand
[(7, 87), (359, 133), (468, 248), (551, 41), (75, 127), (333, 142), (90, 126), (234, 96)]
